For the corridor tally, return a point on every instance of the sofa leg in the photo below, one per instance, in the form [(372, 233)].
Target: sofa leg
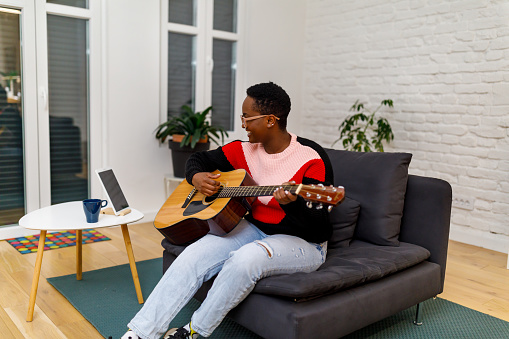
[(418, 319)]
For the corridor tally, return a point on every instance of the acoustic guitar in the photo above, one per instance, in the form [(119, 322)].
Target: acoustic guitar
[(188, 215)]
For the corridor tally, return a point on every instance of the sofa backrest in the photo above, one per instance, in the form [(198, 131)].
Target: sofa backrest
[(408, 208), (377, 181)]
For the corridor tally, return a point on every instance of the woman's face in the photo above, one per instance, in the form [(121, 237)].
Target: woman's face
[(256, 129)]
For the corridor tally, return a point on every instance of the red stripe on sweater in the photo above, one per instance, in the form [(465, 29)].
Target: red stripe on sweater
[(270, 214), (232, 152), (273, 213), (313, 169)]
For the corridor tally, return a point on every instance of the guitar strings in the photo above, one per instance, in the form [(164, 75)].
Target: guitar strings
[(246, 191)]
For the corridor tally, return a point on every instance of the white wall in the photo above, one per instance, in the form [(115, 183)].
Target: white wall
[(446, 66), (132, 102), (274, 46), (272, 50)]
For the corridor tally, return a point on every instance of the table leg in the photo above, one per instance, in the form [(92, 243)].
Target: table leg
[(37, 273), (132, 262), (79, 267)]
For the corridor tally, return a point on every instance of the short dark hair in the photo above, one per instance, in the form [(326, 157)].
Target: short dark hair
[(270, 98)]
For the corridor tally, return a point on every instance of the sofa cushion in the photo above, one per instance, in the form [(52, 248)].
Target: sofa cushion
[(345, 267), (343, 219), (378, 181), (171, 248)]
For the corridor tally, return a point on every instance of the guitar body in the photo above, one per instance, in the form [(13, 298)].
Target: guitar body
[(182, 220)]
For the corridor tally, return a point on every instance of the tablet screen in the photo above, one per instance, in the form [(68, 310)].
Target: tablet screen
[(113, 190)]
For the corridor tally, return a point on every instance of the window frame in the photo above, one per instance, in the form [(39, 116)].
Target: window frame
[(205, 35)]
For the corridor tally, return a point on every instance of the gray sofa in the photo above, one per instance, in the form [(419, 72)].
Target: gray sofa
[(387, 253)]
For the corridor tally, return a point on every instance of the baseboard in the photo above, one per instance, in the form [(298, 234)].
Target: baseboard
[(484, 239), (15, 231), (9, 232), (148, 217)]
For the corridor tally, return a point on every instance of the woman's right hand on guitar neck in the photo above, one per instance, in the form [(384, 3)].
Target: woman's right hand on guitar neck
[(205, 183)]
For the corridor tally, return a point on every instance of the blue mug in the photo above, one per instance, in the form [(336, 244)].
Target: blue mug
[(92, 208)]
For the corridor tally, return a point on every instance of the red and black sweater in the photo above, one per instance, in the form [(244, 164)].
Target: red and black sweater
[(303, 161)]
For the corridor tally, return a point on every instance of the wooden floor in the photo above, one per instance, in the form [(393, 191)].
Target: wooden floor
[(476, 278)]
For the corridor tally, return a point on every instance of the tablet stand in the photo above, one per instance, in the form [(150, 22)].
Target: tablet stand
[(109, 211)]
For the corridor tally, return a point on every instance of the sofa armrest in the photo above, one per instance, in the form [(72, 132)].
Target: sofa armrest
[(427, 216)]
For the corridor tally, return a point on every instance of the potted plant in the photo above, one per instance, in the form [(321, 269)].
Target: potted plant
[(190, 132), (361, 132)]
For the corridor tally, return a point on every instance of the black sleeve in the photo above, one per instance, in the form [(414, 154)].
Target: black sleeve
[(313, 223), (206, 161)]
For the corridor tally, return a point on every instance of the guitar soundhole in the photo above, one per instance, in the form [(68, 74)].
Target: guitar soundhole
[(212, 198)]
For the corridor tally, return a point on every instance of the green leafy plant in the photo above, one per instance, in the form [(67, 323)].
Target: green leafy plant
[(193, 125), (10, 73), (361, 132)]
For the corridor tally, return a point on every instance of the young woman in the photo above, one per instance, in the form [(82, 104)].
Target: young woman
[(279, 236)]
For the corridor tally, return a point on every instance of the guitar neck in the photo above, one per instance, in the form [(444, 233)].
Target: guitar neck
[(319, 193), (255, 191)]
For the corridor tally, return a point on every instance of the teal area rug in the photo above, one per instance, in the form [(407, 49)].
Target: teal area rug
[(107, 299)]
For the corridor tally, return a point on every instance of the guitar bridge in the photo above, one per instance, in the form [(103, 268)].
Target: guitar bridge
[(189, 197)]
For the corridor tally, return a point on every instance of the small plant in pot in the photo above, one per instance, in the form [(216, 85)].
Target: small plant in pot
[(362, 132), (189, 132)]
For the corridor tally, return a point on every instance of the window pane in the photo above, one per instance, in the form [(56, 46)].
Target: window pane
[(182, 12), (68, 107), (74, 3), (181, 72), (12, 189), (225, 15), (223, 83)]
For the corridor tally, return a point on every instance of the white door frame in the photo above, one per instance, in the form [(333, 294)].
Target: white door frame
[(35, 100)]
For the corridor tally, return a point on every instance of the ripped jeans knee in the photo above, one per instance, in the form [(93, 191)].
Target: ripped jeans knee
[(266, 247)]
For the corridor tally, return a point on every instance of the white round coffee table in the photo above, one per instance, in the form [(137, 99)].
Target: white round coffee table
[(70, 216)]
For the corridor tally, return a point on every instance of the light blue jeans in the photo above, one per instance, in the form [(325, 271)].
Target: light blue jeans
[(240, 258)]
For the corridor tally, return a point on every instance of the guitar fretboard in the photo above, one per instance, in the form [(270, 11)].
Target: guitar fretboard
[(253, 191)]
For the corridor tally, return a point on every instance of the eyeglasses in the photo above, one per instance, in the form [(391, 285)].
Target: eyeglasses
[(244, 119)]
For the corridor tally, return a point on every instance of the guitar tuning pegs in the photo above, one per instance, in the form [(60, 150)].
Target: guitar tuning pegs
[(309, 204), (330, 208), (329, 198), (318, 196), (319, 206)]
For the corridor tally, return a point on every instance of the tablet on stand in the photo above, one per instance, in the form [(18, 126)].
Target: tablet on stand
[(118, 202)]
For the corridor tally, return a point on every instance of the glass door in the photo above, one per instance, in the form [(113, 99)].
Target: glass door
[(46, 124), (64, 34), (12, 183), (68, 107)]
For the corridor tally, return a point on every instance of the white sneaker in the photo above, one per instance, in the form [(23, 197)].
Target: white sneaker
[(130, 335), (180, 333)]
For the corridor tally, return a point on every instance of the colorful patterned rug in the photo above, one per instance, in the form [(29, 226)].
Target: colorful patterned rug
[(30, 243)]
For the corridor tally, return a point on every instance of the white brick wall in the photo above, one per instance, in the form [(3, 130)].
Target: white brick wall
[(446, 66)]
